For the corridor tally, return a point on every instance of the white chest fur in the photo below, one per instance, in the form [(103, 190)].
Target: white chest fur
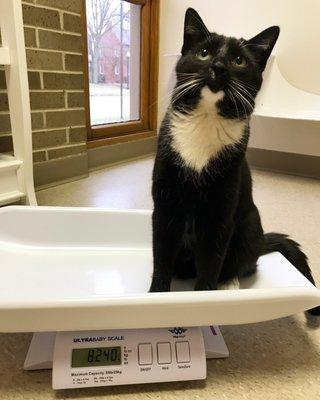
[(200, 135)]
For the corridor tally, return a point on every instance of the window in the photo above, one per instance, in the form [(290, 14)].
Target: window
[(121, 69)]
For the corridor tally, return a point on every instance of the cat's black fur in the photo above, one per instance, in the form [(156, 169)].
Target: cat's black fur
[(205, 224)]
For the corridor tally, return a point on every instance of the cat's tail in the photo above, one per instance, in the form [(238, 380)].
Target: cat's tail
[(292, 252)]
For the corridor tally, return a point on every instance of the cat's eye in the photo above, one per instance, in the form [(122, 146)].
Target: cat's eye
[(203, 55), (239, 61)]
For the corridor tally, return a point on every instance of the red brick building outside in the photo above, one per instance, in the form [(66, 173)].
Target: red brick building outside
[(109, 70)]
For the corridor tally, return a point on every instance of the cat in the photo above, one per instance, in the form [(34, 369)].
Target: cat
[(205, 222)]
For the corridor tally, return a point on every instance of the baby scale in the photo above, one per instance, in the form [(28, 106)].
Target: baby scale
[(79, 279)]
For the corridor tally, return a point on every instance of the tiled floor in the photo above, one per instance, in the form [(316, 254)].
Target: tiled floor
[(122, 186), (270, 361)]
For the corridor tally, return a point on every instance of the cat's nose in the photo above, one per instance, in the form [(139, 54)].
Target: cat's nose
[(218, 67)]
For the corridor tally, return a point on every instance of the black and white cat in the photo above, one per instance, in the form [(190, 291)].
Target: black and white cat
[(205, 223)]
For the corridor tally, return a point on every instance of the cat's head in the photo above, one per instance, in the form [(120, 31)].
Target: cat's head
[(228, 66)]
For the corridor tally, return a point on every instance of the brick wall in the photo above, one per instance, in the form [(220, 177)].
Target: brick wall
[(54, 59)]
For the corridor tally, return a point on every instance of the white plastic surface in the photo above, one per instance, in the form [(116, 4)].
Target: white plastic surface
[(285, 118), (279, 99), (69, 269)]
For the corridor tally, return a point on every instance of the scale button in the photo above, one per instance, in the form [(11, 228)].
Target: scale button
[(183, 352), (164, 353), (145, 354)]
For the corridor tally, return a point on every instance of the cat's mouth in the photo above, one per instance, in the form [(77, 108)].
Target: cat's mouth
[(215, 82), (216, 86)]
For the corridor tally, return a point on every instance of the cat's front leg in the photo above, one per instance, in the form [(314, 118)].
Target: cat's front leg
[(210, 251), (167, 232)]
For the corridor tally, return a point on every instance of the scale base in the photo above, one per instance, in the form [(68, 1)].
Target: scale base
[(40, 353), (214, 343)]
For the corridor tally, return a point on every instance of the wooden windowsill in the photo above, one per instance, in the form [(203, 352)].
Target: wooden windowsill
[(92, 144)]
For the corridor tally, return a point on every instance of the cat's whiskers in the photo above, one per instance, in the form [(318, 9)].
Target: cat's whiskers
[(185, 76), (238, 85), (234, 102), (168, 96), (188, 74), (178, 88), (241, 86), (245, 84), (237, 97), (247, 105), (250, 100), (246, 95), (238, 91), (181, 90)]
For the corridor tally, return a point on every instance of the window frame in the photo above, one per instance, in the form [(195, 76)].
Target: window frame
[(146, 126)]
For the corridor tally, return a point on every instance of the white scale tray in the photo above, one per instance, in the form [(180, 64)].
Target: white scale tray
[(89, 269)]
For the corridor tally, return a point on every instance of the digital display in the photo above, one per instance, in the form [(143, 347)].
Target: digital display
[(96, 357)]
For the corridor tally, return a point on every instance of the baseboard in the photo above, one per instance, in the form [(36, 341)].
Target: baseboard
[(68, 169), (101, 157), (288, 163), (61, 170)]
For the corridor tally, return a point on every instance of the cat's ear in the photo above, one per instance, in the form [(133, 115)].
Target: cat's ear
[(194, 30), (262, 45)]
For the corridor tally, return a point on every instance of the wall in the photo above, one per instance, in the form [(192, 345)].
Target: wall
[(54, 54), (54, 59), (298, 50)]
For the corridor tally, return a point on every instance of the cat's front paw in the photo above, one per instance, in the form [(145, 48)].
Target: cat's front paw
[(233, 284), (159, 285), (203, 284)]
